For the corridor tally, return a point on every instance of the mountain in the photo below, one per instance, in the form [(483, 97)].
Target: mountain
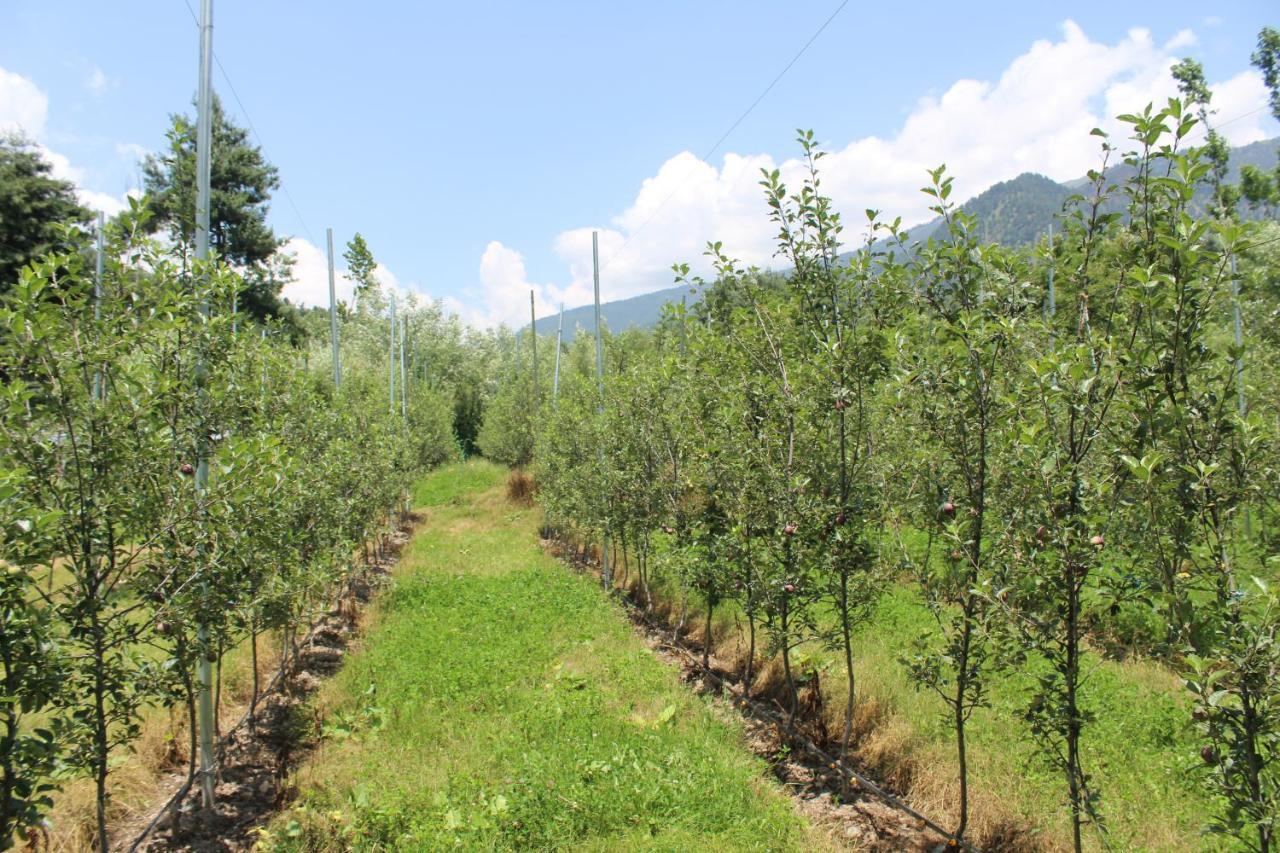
[(1013, 213), (1018, 212), (1261, 154), (640, 311)]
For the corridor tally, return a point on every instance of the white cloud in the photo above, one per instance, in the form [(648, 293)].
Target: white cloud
[(1035, 117), (695, 195), (1181, 39), (1241, 109), (310, 286), (61, 166), (108, 204), (23, 107), (504, 290), (63, 169), (132, 151), (90, 198), (96, 81), (311, 275)]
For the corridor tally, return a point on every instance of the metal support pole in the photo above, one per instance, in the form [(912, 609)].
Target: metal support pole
[(99, 265), (1240, 398), (606, 571), (684, 330), (555, 379), (1051, 307), (1239, 334), (404, 376), (333, 317), (391, 360), (204, 139), (533, 330), (406, 506), (595, 265)]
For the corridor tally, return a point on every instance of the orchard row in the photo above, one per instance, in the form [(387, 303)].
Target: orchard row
[(1060, 448), (171, 482)]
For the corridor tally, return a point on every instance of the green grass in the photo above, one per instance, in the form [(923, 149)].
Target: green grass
[(455, 483), (1139, 747), (501, 702)]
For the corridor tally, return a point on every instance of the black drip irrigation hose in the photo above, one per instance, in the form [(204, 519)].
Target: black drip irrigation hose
[(751, 707)]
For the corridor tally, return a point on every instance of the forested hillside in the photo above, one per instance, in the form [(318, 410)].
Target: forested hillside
[(1016, 212)]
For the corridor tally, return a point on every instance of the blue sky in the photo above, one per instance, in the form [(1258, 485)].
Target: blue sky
[(476, 145)]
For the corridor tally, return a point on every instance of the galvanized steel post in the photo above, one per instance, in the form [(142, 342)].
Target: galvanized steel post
[(99, 263), (204, 139), (606, 571), (1052, 307), (533, 330), (555, 379), (333, 317), (404, 376), (391, 359), (1240, 399)]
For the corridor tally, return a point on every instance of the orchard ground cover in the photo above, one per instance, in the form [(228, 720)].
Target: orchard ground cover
[(501, 702), (1143, 759), (146, 772)]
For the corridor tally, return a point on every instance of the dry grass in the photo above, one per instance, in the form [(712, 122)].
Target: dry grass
[(884, 741), (142, 774), (146, 773), (899, 735), (885, 744), (521, 488)]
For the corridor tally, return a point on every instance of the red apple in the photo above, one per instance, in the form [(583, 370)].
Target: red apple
[(187, 469), (947, 509), (1209, 755), (789, 529), (789, 588), (1041, 533), (1097, 541)]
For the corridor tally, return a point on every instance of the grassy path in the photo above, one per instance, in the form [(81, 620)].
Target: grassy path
[(499, 702)]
